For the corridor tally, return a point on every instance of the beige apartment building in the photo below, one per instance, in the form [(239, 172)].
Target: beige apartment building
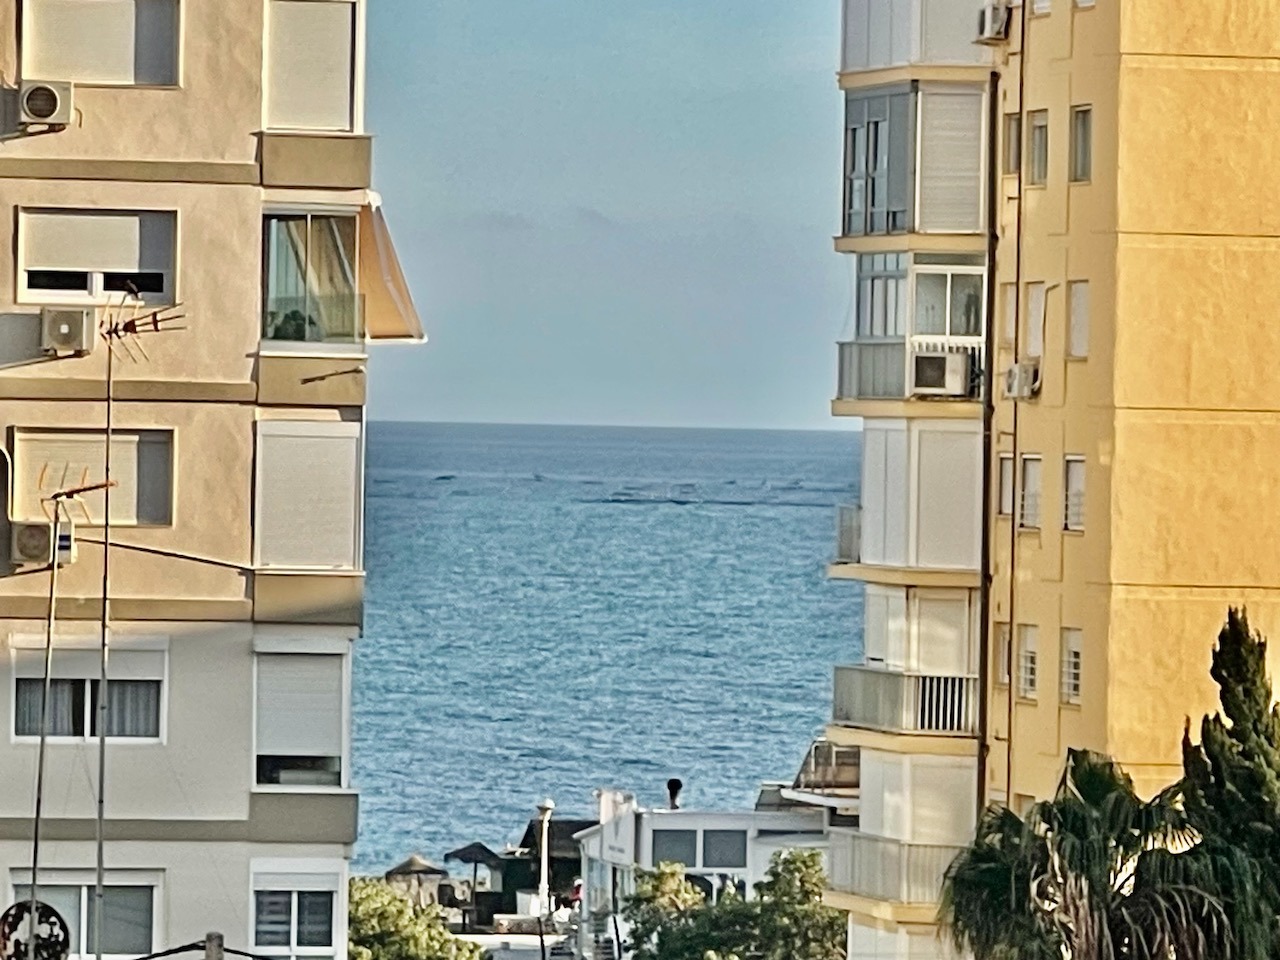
[(210, 158), (1056, 222)]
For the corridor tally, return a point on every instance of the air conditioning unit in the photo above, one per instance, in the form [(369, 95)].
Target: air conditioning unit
[(31, 544), (66, 332), (993, 22), (1022, 381), (940, 374), (44, 103)]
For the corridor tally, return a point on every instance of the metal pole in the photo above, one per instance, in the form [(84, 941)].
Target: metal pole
[(213, 946), (100, 863), (44, 730)]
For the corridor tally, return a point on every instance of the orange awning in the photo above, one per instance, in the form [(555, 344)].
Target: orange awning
[(389, 314)]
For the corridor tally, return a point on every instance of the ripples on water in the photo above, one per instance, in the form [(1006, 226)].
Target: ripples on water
[(552, 609)]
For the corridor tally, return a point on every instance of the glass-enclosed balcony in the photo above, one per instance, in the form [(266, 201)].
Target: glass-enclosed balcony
[(885, 869), (890, 33), (903, 702)]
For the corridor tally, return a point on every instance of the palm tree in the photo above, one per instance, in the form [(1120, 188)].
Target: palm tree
[(1097, 873)]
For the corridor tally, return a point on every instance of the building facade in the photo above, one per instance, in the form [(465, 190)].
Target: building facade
[(209, 161), (1056, 504)]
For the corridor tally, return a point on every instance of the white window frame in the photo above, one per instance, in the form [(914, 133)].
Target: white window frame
[(322, 869), (1075, 141), (1035, 176), (359, 59), (1071, 682), (1077, 346), (1005, 486), (329, 642), (96, 295), (1028, 661), (1030, 505), (34, 642), (86, 879), (915, 270), (179, 58), (1073, 516)]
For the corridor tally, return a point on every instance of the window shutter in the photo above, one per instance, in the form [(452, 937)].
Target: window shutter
[(309, 64), (47, 462), (950, 162), (309, 492), (299, 705), (1078, 329), (102, 41), (296, 881), (81, 664), (1035, 319), (1006, 484), (123, 242)]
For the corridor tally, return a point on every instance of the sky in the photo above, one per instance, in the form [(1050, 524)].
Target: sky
[(611, 212)]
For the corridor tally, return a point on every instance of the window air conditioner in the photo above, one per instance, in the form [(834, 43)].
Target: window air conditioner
[(940, 374), (44, 103), (31, 544), (67, 332), (1022, 381), (993, 22)]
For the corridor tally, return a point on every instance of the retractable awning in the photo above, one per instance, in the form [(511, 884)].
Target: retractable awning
[(389, 313)]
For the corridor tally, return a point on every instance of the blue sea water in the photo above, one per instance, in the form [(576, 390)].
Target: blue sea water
[(554, 609)]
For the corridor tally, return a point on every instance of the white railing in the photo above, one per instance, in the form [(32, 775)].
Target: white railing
[(907, 702), (884, 869), (971, 348), (872, 369), (848, 534)]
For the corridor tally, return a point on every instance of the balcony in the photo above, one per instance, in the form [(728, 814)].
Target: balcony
[(830, 768), (881, 33), (848, 533), (884, 869), (928, 367), (905, 702)]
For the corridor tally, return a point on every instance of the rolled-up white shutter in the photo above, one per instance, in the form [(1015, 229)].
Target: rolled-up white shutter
[(309, 64), (114, 241), (130, 42), (950, 161), (299, 705), (80, 664), (309, 494), (47, 462)]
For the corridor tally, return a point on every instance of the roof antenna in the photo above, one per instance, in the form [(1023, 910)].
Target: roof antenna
[(674, 787)]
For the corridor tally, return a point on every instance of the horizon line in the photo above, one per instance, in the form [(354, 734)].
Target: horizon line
[(853, 426)]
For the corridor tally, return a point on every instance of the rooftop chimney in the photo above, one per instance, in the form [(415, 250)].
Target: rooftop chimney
[(674, 787)]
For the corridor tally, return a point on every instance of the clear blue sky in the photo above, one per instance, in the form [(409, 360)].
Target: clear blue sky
[(609, 211)]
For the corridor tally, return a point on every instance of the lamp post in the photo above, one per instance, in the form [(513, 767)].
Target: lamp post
[(545, 809)]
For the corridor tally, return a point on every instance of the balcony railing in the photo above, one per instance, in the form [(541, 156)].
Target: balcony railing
[(883, 869), (888, 369), (905, 702), (968, 352), (848, 533), (829, 767), (872, 370)]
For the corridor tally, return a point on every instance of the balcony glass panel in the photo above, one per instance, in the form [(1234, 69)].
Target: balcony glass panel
[(309, 279)]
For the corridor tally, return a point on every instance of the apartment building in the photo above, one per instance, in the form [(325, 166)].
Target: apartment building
[(208, 159), (1057, 347)]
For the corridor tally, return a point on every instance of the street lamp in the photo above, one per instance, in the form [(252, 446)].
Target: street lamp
[(545, 809)]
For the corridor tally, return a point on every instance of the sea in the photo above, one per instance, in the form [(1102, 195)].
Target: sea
[(551, 610)]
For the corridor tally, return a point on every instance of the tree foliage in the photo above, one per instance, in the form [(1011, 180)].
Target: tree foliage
[(671, 920), (383, 924), (1095, 873)]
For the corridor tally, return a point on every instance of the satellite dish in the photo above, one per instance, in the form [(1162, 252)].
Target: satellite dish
[(53, 939)]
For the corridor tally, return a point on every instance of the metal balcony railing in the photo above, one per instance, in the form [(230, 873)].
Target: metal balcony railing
[(848, 533), (884, 869), (905, 702)]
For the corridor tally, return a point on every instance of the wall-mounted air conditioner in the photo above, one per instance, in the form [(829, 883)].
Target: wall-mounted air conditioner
[(1022, 380), (66, 332), (940, 374), (993, 22), (31, 544), (45, 103)]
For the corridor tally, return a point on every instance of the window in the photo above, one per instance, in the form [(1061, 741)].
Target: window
[(1078, 324), (1073, 484), (1072, 656), (1027, 638), (1038, 147), (1006, 485), (94, 256), (1010, 311), (1029, 516), (1035, 320), (949, 304), (1012, 143), (877, 163), (47, 461), (724, 848), (309, 277), (110, 42), (296, 912), (301, 719), (1002, 654), (1084, 3), (134, 694), (1081, 143), (1040, 6), (675, 846), (309, 498), (310, 64), (128, 915), (882, 295)]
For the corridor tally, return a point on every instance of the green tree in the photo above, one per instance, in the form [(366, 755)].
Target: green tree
[(786, 920), (383, 924), (1095, 873)]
